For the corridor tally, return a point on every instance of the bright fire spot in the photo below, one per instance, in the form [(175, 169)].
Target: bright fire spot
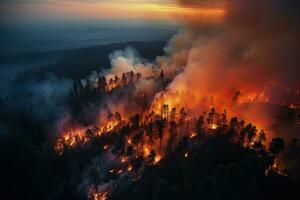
[(129, 168), (129, 141), (119, 171), (111, 125), (95, 195), (193, 135), (214, 126), (111, 171), (105, 147), (66, 137), (186, 154), (123, 159), (157, 159), (101, 196), (146, 150)]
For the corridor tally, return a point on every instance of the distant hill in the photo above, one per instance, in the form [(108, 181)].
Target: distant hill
[(79, 62)]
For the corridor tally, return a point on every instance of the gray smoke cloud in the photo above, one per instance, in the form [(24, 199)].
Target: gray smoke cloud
[(253, 51), (42, 103)]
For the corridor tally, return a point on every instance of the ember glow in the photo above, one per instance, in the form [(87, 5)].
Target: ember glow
[(186, 154)]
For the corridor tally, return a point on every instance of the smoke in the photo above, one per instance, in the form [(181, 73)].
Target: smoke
[(241, 63), (126, 61), (231, 59), (36, 105), (122, 98), (251, 55), (246, 63)]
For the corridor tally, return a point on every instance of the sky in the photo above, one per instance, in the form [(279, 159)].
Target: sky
[(38, 10)]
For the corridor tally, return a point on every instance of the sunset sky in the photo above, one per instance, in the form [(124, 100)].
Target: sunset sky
[(36, 10)]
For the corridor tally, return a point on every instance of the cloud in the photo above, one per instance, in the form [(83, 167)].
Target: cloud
[(28, 2), (201, 3)]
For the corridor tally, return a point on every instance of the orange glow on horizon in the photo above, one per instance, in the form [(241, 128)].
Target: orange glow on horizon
[(111, 10)]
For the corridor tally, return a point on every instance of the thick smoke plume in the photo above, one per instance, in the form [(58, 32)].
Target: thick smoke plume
[(242, 62), (245, 58), (245, 63)]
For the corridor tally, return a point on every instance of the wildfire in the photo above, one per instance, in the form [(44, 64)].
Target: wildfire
[(129, 168), (146, 150), (214, 126), (110, 126), (157, 159), (123, 159), (163, 109), (81, 136), (129, 141), (186, 154), (101, 196), (193, 135), (136, 146), (149, 135), (95, 195), (248, 97)]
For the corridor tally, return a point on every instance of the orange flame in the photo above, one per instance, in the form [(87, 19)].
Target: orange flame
[(186, 154)]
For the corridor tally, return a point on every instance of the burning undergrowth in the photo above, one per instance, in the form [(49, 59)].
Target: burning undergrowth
[(132, 121)]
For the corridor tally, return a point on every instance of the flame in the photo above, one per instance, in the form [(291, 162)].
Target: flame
[(129, 141), (146, 150), (157, 159), (186, 154), (75, 137), (193, 135), (101, 196), (214, 126), (95, 195), (248, 97), (129, 168), (105, 147), (123, 159), (141, 150)]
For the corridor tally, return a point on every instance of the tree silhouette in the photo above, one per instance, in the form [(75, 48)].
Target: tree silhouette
[(160, 125), (151, 157), (251, 133), (291, 152), (135, 121), (199, 125), (276, 146)]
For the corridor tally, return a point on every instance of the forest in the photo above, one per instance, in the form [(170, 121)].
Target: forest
[(158, 154)]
